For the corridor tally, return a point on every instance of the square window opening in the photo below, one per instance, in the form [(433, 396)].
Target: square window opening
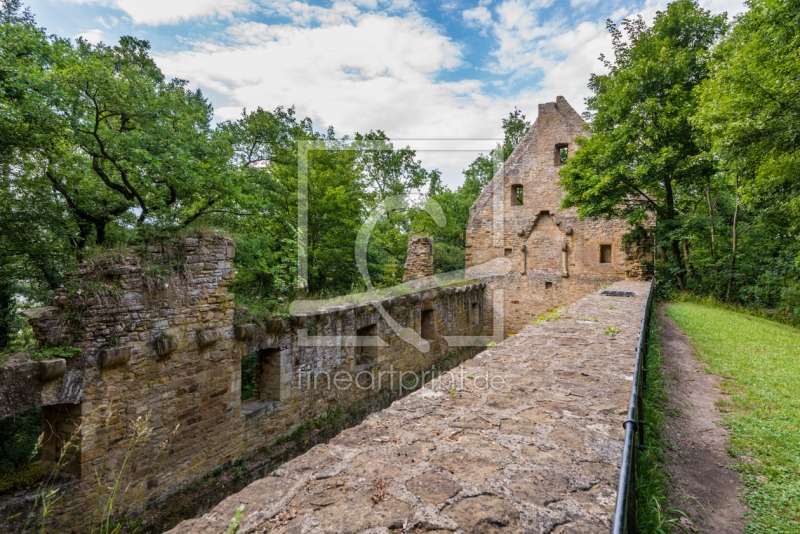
[(507, 253), (548, 285), (605, 254), (428, 324), (366, 347)]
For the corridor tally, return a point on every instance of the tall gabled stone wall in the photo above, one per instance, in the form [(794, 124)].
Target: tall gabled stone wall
[(557, 258)]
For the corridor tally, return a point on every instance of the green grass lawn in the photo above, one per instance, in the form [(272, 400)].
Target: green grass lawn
[(762, 360)]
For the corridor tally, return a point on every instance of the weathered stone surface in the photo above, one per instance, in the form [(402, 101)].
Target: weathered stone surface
[(208, 336), (485, 514), (540, 452), (244, 331), (111, 357), (433, 487), (166, 345), (45, 322), (419, 259), (52, 369)]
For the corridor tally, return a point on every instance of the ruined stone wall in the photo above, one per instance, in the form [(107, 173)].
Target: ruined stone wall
[(165, 346), (419, 259), (556, 258), (525, 437)]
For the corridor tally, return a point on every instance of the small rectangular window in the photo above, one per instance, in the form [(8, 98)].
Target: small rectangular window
[(428, 325), (476, 314), (562, 150), (268, 374), (548, 285), (366, 349), (248, 383), (59, 422), (507, 253), (605, 253), (516, 195)]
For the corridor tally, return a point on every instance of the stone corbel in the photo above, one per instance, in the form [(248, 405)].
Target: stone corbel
[(564, 259)]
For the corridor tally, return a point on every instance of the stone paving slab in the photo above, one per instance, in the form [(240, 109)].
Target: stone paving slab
[(540, 452)]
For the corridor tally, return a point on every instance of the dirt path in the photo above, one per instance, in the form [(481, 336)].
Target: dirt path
[(703, 485)]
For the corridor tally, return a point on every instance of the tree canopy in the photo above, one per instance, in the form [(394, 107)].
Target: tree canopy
[(694, 135), (694, 141)]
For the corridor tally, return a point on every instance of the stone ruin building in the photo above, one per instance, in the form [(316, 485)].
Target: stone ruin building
[(555, 258), (172, 351)]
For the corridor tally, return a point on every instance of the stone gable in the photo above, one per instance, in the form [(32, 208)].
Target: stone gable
[(556, 259)]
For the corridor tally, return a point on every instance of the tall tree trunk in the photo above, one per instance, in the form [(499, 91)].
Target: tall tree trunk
[(7, 308), (711, 218), (676, 253), (676, 256), (100, 226), (686, 260), (735, 236)]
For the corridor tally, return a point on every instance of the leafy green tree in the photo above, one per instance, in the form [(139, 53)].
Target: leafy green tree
[(32, 239), (134, 146), (514, 129), (643, 156), (264, 215), (749, 115), (748, 105), (25, 57)]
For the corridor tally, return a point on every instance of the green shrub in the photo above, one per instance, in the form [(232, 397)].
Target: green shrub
[(23, 478), (18, 436), (55, 352), (248, 375)]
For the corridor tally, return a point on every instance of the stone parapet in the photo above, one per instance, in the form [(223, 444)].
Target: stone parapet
[(538, 449)]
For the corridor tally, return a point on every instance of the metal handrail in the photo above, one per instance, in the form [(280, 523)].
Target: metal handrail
[(625, 508)]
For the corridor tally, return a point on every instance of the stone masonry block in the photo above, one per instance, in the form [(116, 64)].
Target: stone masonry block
[(52, 369), (111, 357)]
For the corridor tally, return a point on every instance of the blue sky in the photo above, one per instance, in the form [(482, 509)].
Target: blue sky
[(418, 70)]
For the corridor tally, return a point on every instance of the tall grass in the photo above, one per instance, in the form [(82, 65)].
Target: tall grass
[(117, 488)]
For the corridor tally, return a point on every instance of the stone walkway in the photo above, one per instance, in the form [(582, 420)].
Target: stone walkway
[(539, 452)]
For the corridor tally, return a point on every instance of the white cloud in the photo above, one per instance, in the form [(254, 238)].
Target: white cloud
[(358, 70), (92, 36), (376, 72), (479, 16), (110, 23), (156, 12)]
